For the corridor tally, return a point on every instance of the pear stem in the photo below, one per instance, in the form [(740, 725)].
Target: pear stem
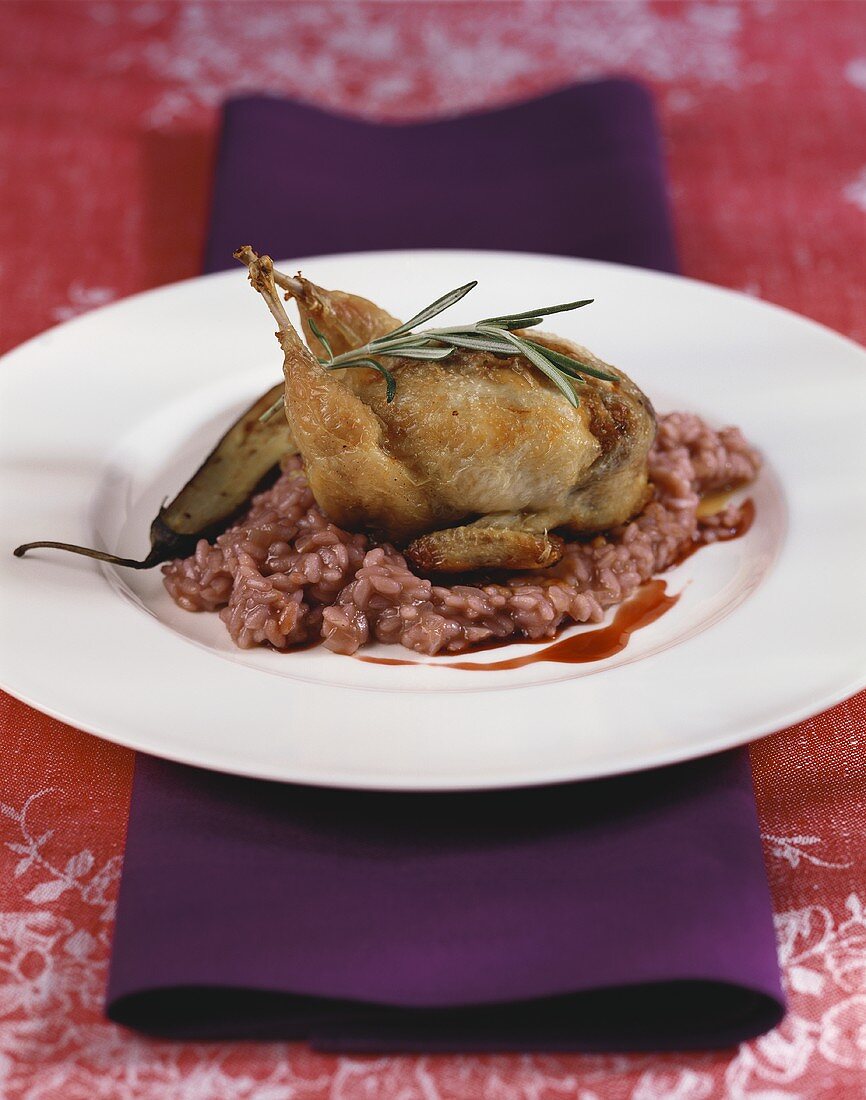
[(85, 551)]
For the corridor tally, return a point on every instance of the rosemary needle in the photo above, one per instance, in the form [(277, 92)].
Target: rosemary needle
[(494, 334)]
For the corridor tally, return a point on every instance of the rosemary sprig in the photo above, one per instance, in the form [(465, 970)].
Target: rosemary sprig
[(494, 334), (530, 314), (320, 336)]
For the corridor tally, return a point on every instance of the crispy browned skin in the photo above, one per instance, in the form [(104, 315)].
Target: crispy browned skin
[(479, 546), (477, 458)]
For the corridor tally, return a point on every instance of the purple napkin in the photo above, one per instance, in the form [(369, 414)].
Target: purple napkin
[(629, 913), (579, 173)]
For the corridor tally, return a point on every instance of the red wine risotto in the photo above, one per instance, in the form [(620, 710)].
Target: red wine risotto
[(284, 575)]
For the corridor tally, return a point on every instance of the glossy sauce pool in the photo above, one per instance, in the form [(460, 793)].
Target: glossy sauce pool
[(648, 604)]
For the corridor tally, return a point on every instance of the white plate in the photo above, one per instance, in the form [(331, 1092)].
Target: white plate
[(105, 416)]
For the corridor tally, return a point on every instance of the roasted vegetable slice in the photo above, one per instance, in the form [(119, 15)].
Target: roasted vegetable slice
[(244, 457), (253, 446)]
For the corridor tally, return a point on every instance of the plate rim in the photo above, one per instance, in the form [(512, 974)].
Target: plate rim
[(383, 782)]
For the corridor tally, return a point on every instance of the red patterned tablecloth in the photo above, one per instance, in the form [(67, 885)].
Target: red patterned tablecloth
[(107, 124)]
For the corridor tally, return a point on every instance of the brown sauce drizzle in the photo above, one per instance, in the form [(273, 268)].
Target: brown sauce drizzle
[(719, 534), (648, 604)]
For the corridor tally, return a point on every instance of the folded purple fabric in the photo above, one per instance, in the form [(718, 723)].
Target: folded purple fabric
[(629, 913), (579, 173)]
